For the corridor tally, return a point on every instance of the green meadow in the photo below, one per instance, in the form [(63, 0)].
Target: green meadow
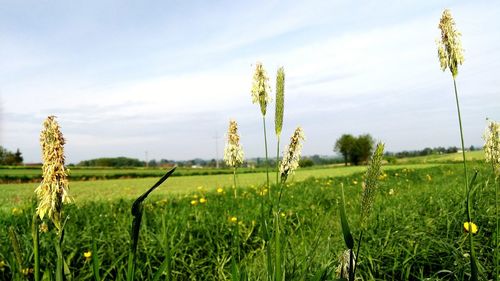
[(416, 228)]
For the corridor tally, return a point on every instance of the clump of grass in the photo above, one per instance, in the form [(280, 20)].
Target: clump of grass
[(450, 55)]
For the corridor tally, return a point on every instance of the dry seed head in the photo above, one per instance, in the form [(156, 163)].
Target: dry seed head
[(370, 183), (492, 145), (450, 50), (345, 264), (261, 88), (291, 155), (280, 100), (233, 152), (53, 191)]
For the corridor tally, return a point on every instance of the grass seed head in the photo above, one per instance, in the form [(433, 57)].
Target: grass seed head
[(280, 100), (370, 183), (345, 264), (450, 50), (291, 155), (261, 88), (53, 191), (233, 152), (492, 145)]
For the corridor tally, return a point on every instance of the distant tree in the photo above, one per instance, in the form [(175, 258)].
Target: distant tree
[(10, 158), (18, 158), (345, 145), (306, 162), (354, 149), (363, 147)]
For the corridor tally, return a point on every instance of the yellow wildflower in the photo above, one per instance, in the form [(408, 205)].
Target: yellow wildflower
[(203, 200), (220, 190), (470, 225), (233, 219), (87, 255), (429, 178), (2, 265), (194, 202), (16, 211)]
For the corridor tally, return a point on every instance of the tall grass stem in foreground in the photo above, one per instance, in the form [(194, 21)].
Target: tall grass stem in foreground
[(450, 55), (36, 246), (492, 155), (278, 117)]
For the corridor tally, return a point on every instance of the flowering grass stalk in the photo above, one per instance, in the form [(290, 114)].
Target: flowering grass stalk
[(370, 185), (492, 156), (53, 191), (260, 94), (233, 152), (278, 118), (450, 55)]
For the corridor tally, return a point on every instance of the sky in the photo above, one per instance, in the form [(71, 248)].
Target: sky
[(162, 79)]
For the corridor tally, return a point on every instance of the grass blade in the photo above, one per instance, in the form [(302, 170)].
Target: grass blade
[(348, 239)]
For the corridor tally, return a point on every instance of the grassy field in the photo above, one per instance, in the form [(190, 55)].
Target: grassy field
[(415, 232), (14, 195)]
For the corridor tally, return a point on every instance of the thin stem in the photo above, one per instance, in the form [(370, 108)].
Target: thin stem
[(267, 159), (234, 182), (36, 246), (467, 193), (278, 160), (357, 253), (59, 262)]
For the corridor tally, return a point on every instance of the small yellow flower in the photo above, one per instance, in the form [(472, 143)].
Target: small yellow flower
[(220, 190), (355, 182), (87, 255), (233, 219), (2, 265), (429, 178), (194, 202), (282, 215), (203, 200), (200, 187), (16, 211), (391, 191), (472, 226)]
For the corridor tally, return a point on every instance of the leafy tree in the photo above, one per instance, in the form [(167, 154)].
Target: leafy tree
[(345, 145), (363, 147), (355, 149)]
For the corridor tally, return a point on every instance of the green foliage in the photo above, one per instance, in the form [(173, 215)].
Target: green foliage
[(112, 162), (354, 149)]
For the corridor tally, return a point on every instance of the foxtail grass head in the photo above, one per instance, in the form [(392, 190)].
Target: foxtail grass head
[(280, 100), (492, 145), (450, 50), (261, 88), (233, 152), (291, 155), (370, 183), (53, 191)]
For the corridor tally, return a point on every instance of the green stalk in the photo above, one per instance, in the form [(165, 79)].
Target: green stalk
[(36, 246), (278, 276), (277, 160), (495, 250), (59, 261), (234, 182), (267, 159), (474, 274)]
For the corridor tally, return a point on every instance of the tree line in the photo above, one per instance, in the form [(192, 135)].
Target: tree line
[(10, 158)]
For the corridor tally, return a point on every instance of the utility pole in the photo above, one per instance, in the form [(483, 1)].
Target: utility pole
[(147, 162), (216, 150)]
